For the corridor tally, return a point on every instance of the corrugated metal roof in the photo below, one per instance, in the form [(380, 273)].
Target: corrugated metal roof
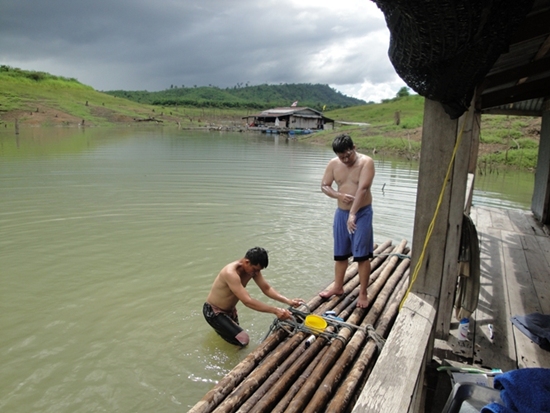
[(302, 112)]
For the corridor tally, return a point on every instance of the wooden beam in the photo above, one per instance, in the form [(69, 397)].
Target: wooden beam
[(533, 26), (527, 70), (540, 204), (511, 112), (395, 378), (525, 91)]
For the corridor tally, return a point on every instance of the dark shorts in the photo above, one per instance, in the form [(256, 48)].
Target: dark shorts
[(226, 324), (360, 244)]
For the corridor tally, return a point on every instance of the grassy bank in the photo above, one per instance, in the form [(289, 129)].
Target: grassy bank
[(39, 99), (35, 99), (505, 141)]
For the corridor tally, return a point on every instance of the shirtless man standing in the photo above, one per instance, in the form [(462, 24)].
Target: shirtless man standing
[(353, 236), (229, 288)]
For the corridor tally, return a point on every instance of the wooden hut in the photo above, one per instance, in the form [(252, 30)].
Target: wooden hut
[(290, 118)]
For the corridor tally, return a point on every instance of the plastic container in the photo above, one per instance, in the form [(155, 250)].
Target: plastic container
[(463, 328), (310, 340), (469, 397), (316, 323)]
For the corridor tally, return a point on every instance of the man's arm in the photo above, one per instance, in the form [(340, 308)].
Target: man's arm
[(234, 283), (365, 182), (269, 291), (326, 185)]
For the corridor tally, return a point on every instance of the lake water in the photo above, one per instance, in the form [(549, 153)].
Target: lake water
[(110, 240)]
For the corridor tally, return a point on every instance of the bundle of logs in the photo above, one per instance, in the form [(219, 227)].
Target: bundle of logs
[(286, 374)]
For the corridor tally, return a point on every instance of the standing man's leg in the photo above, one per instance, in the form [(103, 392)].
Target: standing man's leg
[(340, 268), (363, 248), (364, 275), (342, 251)]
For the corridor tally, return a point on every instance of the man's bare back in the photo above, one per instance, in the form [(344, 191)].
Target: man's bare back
[(229, 287), (221, 294)]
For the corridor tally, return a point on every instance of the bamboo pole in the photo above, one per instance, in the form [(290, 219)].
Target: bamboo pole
[(297, 371), (234, 382), (245, 389), (274, 388), (351, 272), (351, 287), (351, 290), (308, 389), (296, 385), (232, 379), (270, 391), (235, 376), (356, 377), (248, 386), (334, 376)]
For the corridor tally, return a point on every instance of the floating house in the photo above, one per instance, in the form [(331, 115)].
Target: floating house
[(286, 119)]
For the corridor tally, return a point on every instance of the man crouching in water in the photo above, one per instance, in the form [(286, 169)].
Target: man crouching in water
[(353, 174), (229, 288)]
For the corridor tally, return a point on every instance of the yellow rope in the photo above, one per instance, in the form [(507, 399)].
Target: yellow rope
[(432, 223)]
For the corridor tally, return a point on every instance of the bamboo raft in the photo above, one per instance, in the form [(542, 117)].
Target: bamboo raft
[(289, 373)]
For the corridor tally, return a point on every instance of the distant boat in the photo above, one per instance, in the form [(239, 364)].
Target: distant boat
[(300, 132)]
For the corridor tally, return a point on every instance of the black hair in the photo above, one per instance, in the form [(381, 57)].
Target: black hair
[(257, 255), (342, 143)]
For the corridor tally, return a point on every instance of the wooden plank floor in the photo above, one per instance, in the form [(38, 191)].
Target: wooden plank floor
[(515, 280)]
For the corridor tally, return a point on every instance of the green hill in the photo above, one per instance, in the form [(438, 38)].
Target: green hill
[(505, 141), (244, 97), (40, 99)]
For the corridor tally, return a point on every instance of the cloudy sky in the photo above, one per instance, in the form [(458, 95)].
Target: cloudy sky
[(151, 45)]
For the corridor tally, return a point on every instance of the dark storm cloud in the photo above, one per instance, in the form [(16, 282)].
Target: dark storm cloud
[(144, 45)]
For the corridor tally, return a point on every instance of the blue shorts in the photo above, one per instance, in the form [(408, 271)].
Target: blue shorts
[(360, 244)]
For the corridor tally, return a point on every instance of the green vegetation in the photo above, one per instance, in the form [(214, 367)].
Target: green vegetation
[(40, 99), (244, 97), (393, 127)]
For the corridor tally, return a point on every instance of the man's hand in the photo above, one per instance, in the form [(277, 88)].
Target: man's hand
[(282, 313), (296, 302), (346, 198), (351, 224)]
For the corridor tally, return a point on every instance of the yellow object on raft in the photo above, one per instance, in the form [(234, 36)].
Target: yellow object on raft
[(315, 323)]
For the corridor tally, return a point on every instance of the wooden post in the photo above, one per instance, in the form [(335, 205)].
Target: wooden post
[(474, 136), (397, 116), (540, 204), (459, 182), (436, 253)]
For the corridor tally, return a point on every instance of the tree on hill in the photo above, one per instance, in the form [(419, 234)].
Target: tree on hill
[(404, 91)]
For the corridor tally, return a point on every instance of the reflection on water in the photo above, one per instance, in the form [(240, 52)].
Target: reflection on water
[(110, 241)]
